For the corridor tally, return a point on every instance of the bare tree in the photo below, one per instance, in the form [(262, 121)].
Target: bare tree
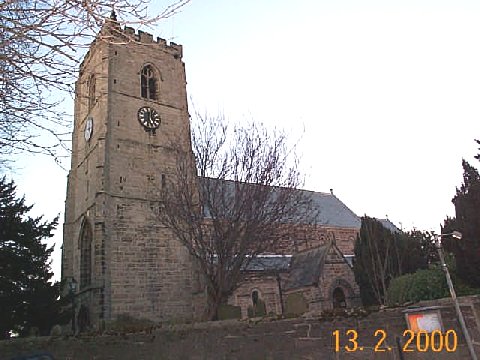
[(234, 199), (41, 42)]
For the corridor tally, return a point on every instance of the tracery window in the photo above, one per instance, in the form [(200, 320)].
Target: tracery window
[(91, 91), (148, 83), (86, 255)]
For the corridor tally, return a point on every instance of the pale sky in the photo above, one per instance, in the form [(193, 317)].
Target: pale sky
[(384, 95)]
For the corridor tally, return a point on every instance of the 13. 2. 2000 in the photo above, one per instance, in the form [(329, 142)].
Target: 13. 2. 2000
[(420, 341)]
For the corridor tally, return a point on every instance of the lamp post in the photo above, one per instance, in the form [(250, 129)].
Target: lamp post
[(438, 244), (73, 290)]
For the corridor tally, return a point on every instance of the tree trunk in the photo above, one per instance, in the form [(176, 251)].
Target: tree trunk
[(214, 301)]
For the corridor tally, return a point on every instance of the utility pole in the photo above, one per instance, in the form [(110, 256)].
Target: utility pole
[(438, 244)]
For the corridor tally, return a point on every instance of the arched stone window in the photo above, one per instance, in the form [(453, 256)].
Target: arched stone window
[(255, 298), (148, 83), (258, 307), (86, 254), (339, 300), (91, 91)]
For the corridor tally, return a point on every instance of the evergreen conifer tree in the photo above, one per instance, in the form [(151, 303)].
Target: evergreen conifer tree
[(467, 221), (382, 255), (28, 299)]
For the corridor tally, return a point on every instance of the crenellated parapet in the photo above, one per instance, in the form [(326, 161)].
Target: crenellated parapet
[(111, 32), (147, 38)]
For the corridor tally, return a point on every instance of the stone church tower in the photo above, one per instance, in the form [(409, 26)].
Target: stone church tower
[(130, 102)]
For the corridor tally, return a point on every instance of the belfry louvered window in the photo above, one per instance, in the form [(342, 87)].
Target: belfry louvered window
[(148, 83)]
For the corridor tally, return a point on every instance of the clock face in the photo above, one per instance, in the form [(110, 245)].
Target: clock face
[(149, 118), (88, 128)]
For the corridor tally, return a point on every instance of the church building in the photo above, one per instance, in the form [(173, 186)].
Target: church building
[(130, 98), (311, 271)]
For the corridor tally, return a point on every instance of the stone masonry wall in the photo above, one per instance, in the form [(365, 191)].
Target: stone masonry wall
[(310, 236), (285, 339), (150, 269), (137, 266), (265, 285), (338, 274)]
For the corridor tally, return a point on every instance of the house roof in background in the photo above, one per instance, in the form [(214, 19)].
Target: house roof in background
[(387, 224)]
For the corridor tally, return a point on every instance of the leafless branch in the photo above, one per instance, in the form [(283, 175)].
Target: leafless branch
[(237, 198), (41, 43)]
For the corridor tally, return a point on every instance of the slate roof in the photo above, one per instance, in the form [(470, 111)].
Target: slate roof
[(269, 263), (306, 267), (331, 211)]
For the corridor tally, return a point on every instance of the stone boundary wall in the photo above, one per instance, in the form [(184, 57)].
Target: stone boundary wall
[(300, 338)]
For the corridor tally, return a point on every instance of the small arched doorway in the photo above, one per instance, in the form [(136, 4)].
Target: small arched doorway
[(83, 318), (86, 239), (339, 301)]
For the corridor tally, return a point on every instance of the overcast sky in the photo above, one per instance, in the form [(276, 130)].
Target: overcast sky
[(384, 95)]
